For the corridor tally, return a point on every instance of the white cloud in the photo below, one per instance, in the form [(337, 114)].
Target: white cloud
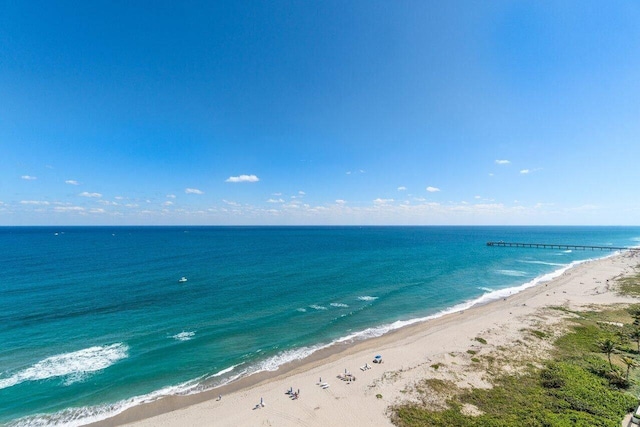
[(231, 203), (527, 171), (97, 210), (402, 188), (171, 196), (69, 209), (490, 174), (302, 193), (167, 203), (348, 172), (477, 197), (87, 194), (433, 189), (119, 198), (193, 191), (243, 178), (28, 177), (502, 162), (380, 201), (340, 202), (275, 201), (34, 202), (277, 194), (72, 182)]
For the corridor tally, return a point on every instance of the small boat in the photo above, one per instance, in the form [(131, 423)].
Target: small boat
[(182, 279)]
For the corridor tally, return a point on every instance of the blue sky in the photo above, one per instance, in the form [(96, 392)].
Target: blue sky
[(333, 112)]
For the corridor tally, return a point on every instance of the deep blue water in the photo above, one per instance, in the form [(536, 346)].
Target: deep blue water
[(93, 319)]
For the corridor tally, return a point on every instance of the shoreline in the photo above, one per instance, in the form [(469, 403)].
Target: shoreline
[(409, 349), (325, 350)]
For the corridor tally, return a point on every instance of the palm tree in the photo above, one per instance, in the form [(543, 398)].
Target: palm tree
[(631, 363), (608, 347), (634, 311), (617, 380)]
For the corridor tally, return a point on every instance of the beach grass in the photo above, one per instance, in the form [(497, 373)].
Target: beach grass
[(575, 386), (630, 285)]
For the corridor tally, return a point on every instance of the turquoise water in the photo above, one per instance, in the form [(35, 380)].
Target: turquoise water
[(94, 319)]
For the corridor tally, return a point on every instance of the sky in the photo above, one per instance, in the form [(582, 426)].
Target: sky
[(319, 113)]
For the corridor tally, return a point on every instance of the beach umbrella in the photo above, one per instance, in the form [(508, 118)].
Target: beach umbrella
[(378, 357)]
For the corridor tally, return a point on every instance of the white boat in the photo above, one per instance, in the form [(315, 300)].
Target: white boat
[(182, 279)]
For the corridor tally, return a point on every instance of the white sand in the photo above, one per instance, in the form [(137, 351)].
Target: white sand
[(408, 354)]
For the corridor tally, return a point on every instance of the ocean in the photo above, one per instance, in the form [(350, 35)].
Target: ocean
[(94, 320)]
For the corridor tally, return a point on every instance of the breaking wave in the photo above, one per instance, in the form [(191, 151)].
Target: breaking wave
[(184, 336), (75, 366)]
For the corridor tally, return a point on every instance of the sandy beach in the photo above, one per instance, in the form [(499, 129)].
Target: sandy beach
[(408, 354)]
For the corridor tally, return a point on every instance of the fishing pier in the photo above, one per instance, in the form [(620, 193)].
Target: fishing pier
[(560, 246)]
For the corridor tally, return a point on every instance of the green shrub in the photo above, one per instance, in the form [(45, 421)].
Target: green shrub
[(576, 388), (539, 334)]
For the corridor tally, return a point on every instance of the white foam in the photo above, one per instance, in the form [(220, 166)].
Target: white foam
[(274, 362), (367, 298), (76, 366), (554, 264), (225, 371), (513, 273), (301, 310), (317, 307), (81, 416), (338, 304), (73, 417), (540, 279), (485, 289), (184, 336), (483, 299)]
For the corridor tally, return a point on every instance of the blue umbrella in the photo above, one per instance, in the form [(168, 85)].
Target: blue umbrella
[(378, 357)]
